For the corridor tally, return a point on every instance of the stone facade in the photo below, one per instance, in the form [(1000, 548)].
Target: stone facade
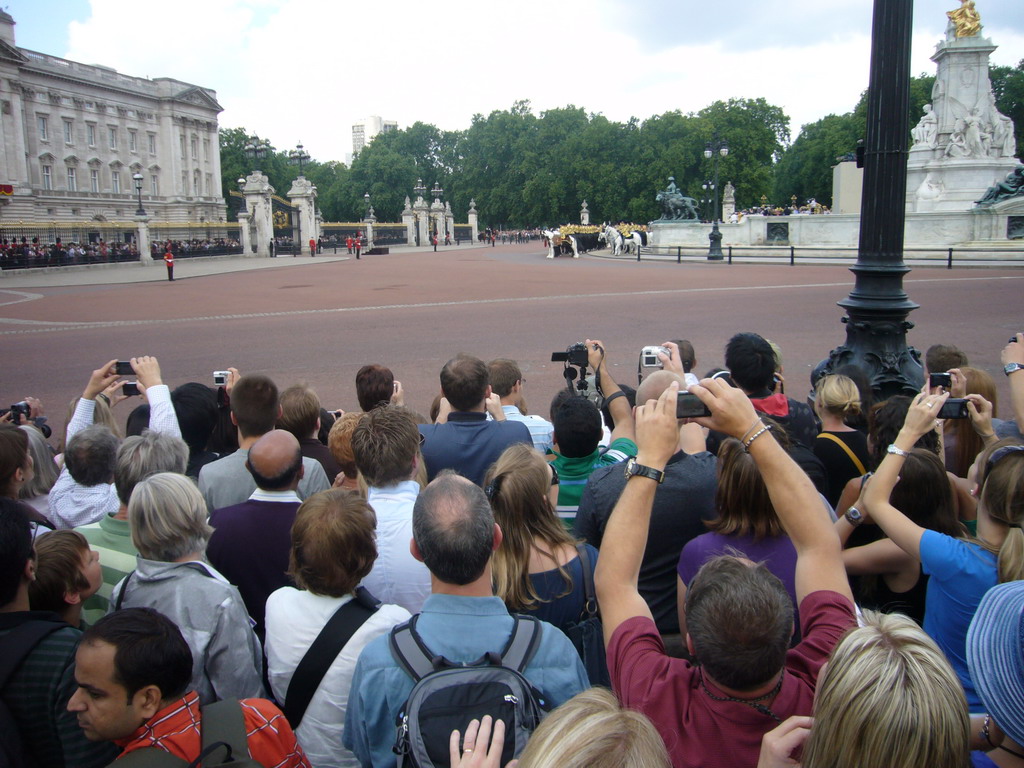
[(73, 135)]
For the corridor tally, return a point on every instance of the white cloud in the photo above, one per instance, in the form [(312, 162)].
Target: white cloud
[(307, 69)]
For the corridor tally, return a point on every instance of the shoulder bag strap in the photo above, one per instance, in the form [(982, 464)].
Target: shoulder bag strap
[(590, 606), (223, 724), (853, 457), (310, 672), (19, 643), (124, 588)]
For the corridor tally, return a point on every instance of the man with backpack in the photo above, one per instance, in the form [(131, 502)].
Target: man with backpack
[(133, 669), (462, 642), (37, 654)]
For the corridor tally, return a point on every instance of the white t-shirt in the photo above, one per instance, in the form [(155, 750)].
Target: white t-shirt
[(294, 619)]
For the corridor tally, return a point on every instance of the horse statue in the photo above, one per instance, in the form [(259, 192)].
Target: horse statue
[(612, 238), (677, 207)]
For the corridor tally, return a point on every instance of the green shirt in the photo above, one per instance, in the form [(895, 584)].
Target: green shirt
[(112, 539), (574, 473)]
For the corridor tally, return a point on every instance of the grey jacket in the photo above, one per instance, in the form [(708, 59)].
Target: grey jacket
[(227, 661)]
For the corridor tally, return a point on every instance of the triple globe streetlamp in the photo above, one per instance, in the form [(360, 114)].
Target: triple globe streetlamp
[(715, 150)]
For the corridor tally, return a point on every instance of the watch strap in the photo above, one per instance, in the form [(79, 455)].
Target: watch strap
[(633, 469)]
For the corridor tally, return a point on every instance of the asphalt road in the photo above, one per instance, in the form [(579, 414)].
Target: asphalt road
[(319, 321)]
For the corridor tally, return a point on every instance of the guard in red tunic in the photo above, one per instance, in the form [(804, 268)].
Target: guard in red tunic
[(169, 262), (312, 247)]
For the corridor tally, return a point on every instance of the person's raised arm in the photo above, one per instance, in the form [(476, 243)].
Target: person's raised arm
[(615, 398), (819, 564), (625, 537), (162, 417), (901, 529), (101, 378), (1014, 353)]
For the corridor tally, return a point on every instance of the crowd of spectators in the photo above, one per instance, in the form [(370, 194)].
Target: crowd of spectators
[(25, 254), (832, 582)]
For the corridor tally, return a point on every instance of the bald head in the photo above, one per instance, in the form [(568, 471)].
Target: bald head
[(275, 461), (656, 383), (453, 527)]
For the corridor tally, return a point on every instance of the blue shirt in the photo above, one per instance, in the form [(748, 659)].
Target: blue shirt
[(540, 429), (468, 443), (462, 629), (961, 573)]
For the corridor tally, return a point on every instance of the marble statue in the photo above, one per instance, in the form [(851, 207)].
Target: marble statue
[(957, 146), (966, 20), (927, 129), (1012, 186)]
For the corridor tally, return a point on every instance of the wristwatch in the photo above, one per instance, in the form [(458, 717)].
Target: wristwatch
[(898, 451), (639, 470), (854, 517), (1011, 367)]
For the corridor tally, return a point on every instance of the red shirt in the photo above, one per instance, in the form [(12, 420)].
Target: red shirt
[(698, 731), (176, 729), (169, 259)]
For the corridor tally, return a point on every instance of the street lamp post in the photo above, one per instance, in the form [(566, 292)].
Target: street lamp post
[(714, 150), (137, 178), (707, 187), (241, 188), (877, 307), (256, 150)]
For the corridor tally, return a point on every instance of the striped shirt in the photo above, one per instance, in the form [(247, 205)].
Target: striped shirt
[(112, 539), (177, 729), (573, 474)]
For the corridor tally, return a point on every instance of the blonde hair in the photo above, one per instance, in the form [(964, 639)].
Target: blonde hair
[(592, 730), (167, 515), (968, 443), (888, 697), (517, 486), (838, 395), (1001, 495)]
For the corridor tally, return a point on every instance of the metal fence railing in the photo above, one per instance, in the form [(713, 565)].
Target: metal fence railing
[(793, 254)]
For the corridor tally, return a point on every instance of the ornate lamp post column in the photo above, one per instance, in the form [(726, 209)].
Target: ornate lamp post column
[(715, 150), (877, 307), (137, 178), (142, 223), (422, 211)]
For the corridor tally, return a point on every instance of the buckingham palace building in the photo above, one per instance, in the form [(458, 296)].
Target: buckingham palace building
[(74, 138)]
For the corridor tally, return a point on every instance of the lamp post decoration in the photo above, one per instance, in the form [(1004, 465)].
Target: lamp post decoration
[(298, 156), (137, 178), (256, 150), (714, 150)]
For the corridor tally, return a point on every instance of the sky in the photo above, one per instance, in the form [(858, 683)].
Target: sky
[(305, 70)]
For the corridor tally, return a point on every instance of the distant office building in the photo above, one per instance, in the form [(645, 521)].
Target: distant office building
[(364, 131), (72, 137)]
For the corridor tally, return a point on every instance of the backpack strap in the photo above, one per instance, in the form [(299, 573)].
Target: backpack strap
[(590, 594), (409, 650), (853, 457), (124, 588), (523, 644), (149, 757), (335, 635), (19, 643), (224, 726)]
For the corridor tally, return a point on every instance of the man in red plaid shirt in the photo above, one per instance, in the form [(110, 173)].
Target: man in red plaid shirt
[(133, 668)]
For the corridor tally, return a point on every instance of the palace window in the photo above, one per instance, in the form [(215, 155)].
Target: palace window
[(69, 132), (154, 185), (72, 180), (115, 182), (94, 180), (90, 134), (152, 143), (47, 177), (43, 123), (133, 141), (112, 137)]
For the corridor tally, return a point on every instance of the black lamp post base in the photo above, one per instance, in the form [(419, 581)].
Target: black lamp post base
[(715, 248)]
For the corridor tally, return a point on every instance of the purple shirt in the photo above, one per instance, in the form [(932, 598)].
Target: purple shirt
[(776, 552)]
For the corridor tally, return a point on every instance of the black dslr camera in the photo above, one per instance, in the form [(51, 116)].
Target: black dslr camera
[(20, 412), (576, 354)]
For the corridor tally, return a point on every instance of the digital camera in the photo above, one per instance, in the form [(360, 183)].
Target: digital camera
[(220, 378), (649, 356)]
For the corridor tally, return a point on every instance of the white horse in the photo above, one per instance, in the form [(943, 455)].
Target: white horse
[(557, 241), (634, 241), (613, 238)]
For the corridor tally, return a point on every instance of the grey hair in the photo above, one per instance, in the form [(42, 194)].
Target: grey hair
[(45, 469), (142, 455), (167, 515), (91, 454)]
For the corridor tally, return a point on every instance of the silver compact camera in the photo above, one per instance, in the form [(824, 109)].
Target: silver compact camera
[(649, 356), (220, 378)]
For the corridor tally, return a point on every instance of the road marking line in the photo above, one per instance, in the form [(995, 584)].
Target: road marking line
[(53, 326)]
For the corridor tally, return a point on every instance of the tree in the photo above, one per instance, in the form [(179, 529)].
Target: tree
[(1008, 88)]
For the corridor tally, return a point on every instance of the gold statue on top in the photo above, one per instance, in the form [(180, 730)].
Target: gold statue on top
[(966, 19)]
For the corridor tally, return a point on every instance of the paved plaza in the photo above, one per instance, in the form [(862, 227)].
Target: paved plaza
[(319, 320)]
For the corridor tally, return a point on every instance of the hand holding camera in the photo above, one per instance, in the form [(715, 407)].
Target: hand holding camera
[(922, 415), (100, 379), (732, 413), (1013, 352), (980, 411), (657, 431)]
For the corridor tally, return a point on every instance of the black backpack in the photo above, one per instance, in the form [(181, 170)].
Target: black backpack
[(447, 695), (15, 647)]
